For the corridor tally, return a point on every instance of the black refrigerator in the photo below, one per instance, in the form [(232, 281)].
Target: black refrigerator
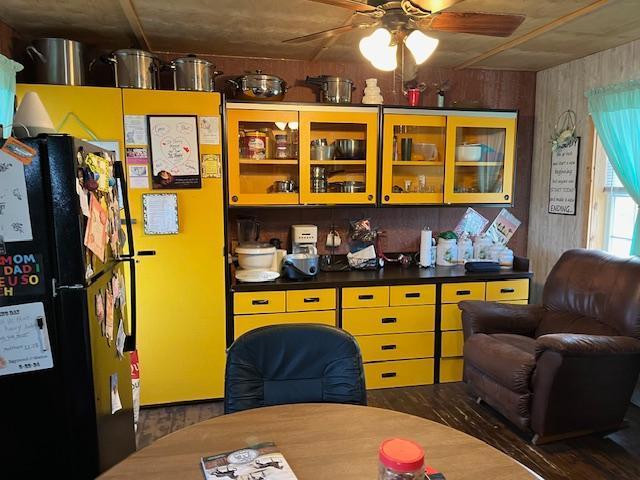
[(59, 410)]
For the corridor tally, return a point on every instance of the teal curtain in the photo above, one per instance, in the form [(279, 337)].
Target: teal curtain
[(616, 114), (8, 70)]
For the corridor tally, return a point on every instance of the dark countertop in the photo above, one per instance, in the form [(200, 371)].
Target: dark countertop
[(389, 275)]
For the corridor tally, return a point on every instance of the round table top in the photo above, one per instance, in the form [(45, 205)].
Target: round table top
[(320, 441)]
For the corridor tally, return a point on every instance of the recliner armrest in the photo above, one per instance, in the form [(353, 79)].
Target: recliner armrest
[(491, 317), (576, 345)]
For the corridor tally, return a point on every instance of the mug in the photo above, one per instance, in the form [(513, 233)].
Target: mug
[(413, 96)]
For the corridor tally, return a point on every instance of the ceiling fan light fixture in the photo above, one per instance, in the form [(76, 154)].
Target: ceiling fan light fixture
[(386, 59), (378, 50), (420, 45)]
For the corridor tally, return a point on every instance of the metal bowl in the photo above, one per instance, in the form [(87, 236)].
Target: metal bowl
[(322, 152), (350, 149)]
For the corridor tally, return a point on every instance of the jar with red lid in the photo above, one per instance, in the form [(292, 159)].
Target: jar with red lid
[(400, 459)]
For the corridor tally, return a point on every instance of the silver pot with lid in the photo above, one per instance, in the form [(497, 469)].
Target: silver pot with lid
[(258, 86), (191, 73), (135, 68), (333, 89), (58, 61)]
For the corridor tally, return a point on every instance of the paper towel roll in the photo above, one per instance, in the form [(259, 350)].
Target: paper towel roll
[(425, 248)]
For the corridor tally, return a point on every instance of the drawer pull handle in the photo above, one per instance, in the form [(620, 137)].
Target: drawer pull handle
[(312, 300), (463, 292), (507, 290), (365, 297), (388, 347), (389, 375), (412, 295), (389, 320), (259, 302)]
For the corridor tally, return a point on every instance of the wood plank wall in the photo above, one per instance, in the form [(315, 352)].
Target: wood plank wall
[(7, 35), (558, 89)]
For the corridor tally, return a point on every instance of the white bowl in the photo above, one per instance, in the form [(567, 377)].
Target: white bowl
[(469, 153), (255, 257)]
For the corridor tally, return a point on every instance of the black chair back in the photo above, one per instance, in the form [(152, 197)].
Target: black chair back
[(293, 363)]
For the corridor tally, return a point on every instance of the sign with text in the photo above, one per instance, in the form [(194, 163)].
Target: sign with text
[(563, 181), (24, 339), (21, 274)]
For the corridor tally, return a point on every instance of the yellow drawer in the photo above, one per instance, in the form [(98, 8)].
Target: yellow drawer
[(307, 300), (372, 321), (259, 302), (245, 323), (456, 292), (358, 297), (517, 302), (450, 317), (377, 348), (401, 373), (508, 290), (412, 295), (451, 370), (451, 343)]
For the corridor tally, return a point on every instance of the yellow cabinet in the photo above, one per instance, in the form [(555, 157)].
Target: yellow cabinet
[(307, 300), (480, 157), (376, 348), (508, 290), (373, 321), (259, 302), (412, 295), (413, 157), (452, 343), (450, 317), (456, 292), (359, 297), (245, 323), (399, 373), (451, 369), (262, 151), (349, 174)]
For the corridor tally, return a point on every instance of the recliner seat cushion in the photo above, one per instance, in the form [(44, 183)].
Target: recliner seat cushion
[(507, 359)]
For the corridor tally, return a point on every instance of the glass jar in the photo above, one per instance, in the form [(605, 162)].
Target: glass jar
[(400, 459)]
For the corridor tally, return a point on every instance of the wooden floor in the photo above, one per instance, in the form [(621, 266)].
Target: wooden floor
[(616, 456)]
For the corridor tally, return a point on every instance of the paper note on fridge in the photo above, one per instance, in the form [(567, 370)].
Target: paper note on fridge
[(135, 130), (15, 222), (24, 339), (209, 130)]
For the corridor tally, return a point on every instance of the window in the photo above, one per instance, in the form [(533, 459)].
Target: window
[(613, 211)]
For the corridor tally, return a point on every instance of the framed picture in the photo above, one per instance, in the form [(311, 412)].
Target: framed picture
[(174, 153), (563, 181), (160, 213)]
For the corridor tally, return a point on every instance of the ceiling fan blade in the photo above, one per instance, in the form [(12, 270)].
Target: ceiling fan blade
[(324, 34), (434, 6), (348, 4), (495, 25)]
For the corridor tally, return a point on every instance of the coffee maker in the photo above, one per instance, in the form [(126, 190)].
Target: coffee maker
[(304, 239)]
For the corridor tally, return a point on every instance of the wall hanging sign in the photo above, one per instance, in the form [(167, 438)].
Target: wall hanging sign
[(211, 165), (175, 158), (21, 274), (563, 181), (160, 212), (24, 339)]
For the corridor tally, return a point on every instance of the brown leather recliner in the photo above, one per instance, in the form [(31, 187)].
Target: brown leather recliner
[(567, 367)]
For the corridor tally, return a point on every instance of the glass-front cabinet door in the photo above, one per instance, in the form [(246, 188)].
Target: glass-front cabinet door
[(338, 155), (263, 165), (413, 158), (480, 158)]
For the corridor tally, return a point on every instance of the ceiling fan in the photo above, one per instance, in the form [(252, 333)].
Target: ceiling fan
[(406, 20)]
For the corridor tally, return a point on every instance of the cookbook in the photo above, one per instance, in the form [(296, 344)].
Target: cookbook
[(258, 462)]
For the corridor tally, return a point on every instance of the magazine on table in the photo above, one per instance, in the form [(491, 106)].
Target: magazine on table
[(257, 462)]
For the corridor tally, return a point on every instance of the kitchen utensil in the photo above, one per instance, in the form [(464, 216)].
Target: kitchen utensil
[(471, 152), (248, 230), (350, 149), (406, 147), (254, 276), (193, 74), (255, 256), (134, 68), (258, 86), (283, 186), (424, 151), (349, 186), (322, 152), (58, 61), (301, 266), (332, 89)]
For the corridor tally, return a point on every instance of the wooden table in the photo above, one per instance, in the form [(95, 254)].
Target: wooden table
[(320, 441)]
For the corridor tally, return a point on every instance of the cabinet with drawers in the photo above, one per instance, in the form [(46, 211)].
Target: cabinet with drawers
[(258, 309), (395, 328), (451, 335)]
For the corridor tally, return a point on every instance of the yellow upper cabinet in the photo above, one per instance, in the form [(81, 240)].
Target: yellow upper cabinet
[(338, 155), (480, 157), (263, 156), (413, 157)]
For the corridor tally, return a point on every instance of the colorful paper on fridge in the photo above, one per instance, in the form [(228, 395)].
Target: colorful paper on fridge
[(95, 235)]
